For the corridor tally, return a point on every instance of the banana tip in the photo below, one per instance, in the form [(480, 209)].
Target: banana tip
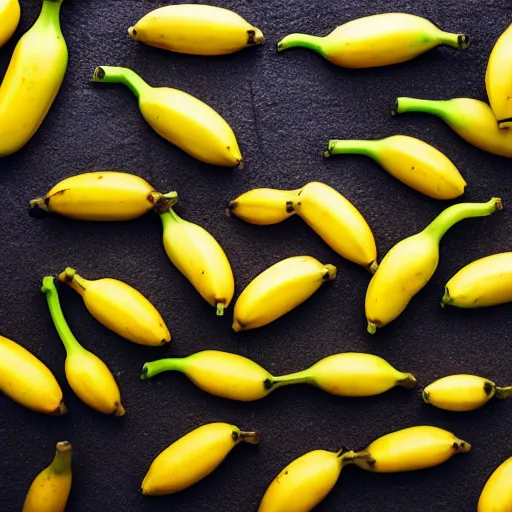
[(64, 446), (255, 37), (237, 326), (61, 409), (463, 41), (119, 410), (132, 32), (372, 328), (373, 266), (461, 446), (426, 396), (98, 75), (144, 374)]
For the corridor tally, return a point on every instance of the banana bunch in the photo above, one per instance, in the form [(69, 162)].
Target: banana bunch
[(196, 29), (180, 118), (9, 18), (378, 40), (497, 493)]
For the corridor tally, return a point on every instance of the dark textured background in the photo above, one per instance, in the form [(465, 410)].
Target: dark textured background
[(283, 108)]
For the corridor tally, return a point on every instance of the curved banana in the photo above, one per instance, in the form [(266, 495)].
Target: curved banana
[(193, 457), (50, 490), (86, 373), (33, 79), (378, 40), (9, 18), (498, 79), (473, 120), (102, 196), (196, 29), (279, 289), (410, 264), (28, 381), (180, 118), (482, 283), (497, 493), (463, 392), (412, 161), (200, 258)]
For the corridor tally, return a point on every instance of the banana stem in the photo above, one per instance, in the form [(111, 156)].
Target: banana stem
[(460, 41), (503, 393), (118, 75), (149, 370), (62, 461), (358, 147), (446, 300), (70, 277), (49, 16), (301, 40), (302, 377), (409, 381), (433, 107), (249, 437)]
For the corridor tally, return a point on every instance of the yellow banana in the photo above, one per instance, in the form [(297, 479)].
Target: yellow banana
[(410, 160), (9, 18), (378, 40), (33, 79), (410, 264), (463, 392), (498, 79), (49, 491), (196, 29), (120, 308), (102, 196), (200, 258), (482, 283), (497, 493), (278, 290), (180, 118), (25, 379), (86, 373), (193, 457)]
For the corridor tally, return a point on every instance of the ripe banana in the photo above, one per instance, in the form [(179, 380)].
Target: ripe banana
[(196, 29), (473, 120), (33, 79), (498, 79), (102, 196), (9, 18), (200, 258), (463, 392), (497, 493), (25, 379), (86, 373), (279, 289), (193, 457), (378, 40), (180, 118), (410, 160), (120, 308), (410, 264), (49, 491), (482, 283)]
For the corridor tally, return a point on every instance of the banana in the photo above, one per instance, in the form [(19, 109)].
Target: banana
[(483, 283), (193, 457), (200, 258), (279, 289), (86, 373), (497, 493), (473, 120), (196, 29), (33, 79), (50, 490), (9, 18), (410, 264), (378, 40), (498, 79), (102, 196), (463, 392), (180, 118), (412, 161), (25, 379)]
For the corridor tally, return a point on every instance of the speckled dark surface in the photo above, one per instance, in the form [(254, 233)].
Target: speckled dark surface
[(283, 108)]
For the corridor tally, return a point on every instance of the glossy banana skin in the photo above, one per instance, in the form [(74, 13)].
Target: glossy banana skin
[(497, 493), (9, 18)]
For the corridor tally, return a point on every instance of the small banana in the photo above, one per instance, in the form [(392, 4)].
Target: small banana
[(180, 118), (196, 29), (410, 264), (102, 196), (25, 379), (378, 40), (33, 79), (86, 373), (473, 120), (482, 283), (279, 289), (412, 161), (193, 457), (497, 493), (200, 258), (498, 79), (463, 392), (9, 18), (50, 490)]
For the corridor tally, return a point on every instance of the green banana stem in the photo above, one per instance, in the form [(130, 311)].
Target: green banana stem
[(302, 377), (301, 40), (149, 370), (357, 147), (49, 16), (76, 282), (433, 107), (503, 393), (118, 75), (61, 464), (446, 300), (460, 41)]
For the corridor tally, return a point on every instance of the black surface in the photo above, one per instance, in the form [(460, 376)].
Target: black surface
[(283, 108)]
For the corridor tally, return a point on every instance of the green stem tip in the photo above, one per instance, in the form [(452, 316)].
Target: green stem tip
[(446, 300), (62, 461), (301, 41), (220, 309), (372, 328), (149, 370), (119, 75), (503, 393)]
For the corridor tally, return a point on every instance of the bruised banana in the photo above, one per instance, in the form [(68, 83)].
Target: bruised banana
[(180, 118), (102, 196), (497, 493), (196, 29), (9, 18)]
